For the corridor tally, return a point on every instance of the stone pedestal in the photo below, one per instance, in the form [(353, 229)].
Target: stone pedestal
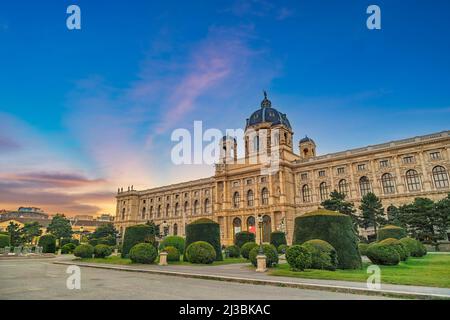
[(261, 263), (116, 252), (163, 258), (59, 252)]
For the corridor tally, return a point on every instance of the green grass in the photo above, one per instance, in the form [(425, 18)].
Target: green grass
[(431, 270), (107, 260)]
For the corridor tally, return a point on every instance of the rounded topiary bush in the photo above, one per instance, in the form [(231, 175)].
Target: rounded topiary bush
[(143, 253), (134, 235), (205, 230), (362, 247), (414, 247), (243, 237), (172, 253), (246, 248), (277, 238), (233, 251), (48, 243), (383, 254), (102, 251), (402, 250), (4, 240), (65, 241), (391, 231), (282, 248), (173, 241), (299, 257), (323, 254), (334, 228), (201, 252), (269, 251), (68, 248), (84, 251)]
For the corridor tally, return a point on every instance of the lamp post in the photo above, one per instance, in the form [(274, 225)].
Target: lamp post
[(81, 232), (260, 223)]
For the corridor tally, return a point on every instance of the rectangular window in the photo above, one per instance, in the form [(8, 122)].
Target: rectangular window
[(249, 181), (435, 155), (341, 170), (322, 173), (236, 184), (263, 179), (408, 159), (304, 176), (361, 167), (384, 163)]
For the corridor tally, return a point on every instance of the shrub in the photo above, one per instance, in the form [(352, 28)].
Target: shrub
[(401, 249), (277, 238), (172, 253), (201, 252), (143, 253), (269, 251), (233, 251), (334, 228), (391, 231), (173, 241), (4, 241), (205, 230), (243, 237), (414, 247), (323, 254), (134, 235), (383, 254), (299, 257), (102, 251), (109, 240), (246, 248), (282, 248), (65, 241), (68, 248), (48, 243), (362, 247), (84, 251)]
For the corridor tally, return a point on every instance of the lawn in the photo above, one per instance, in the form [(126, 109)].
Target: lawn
[(432, 270), (122, 261)]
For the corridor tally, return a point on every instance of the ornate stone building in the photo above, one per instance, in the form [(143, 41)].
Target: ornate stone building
[(244, 189)]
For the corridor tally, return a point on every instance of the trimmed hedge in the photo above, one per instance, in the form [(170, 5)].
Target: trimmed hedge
[(65, 241), (243, 237), (383, 254), (84, 251), (204, 230), (68, 248), (334, 228), (134, 235), (233, 251), (323, 255), (362, 247), (246, 248), (414, 247), (4, 241), (173, 241), (143, 253), (172, 253), (391, 231), (201, 252), (402, 249), (269, 251), (282, 248), (102, 251), (299, 257), (48, 243), (277, 238)]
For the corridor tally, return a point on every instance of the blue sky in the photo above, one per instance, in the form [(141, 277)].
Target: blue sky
[(84, 112)]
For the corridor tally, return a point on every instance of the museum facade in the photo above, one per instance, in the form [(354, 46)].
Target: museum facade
[(245, 191)]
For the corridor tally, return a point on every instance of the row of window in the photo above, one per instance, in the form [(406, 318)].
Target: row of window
[(251, 198), (237, 183), (440, 179), (186, 194)]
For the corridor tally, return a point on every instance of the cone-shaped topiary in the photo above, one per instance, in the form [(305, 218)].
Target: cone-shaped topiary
[(391, 231), (334, 228), (205, 230), (243, 237)]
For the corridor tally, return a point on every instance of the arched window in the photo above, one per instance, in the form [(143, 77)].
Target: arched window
[(323, 188), (237, 224), (265, 196), (186, 206), (167, 210), (143, 213), (251, 226), (250, 198), (387, 181), (151, 212), (123, 214), (413, 180), (364, 186), (266, 228), (236, 199), (158, 213), (175, 229), (440, 177), (343, 187), (256, 143), (177, 209), (306, 194), (207, 206), (196, 207)]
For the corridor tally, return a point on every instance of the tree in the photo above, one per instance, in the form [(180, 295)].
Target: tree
[(15, 234), (372, 212), (443, 217), (104, 230), (60, 227), (394, 217), (31, 230), (155, 227), (337, 202)]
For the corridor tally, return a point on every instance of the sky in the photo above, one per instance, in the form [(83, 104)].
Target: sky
[(84, 112)]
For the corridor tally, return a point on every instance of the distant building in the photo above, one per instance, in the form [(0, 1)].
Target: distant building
[(84, 217), (24, 212), (105, 217)]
